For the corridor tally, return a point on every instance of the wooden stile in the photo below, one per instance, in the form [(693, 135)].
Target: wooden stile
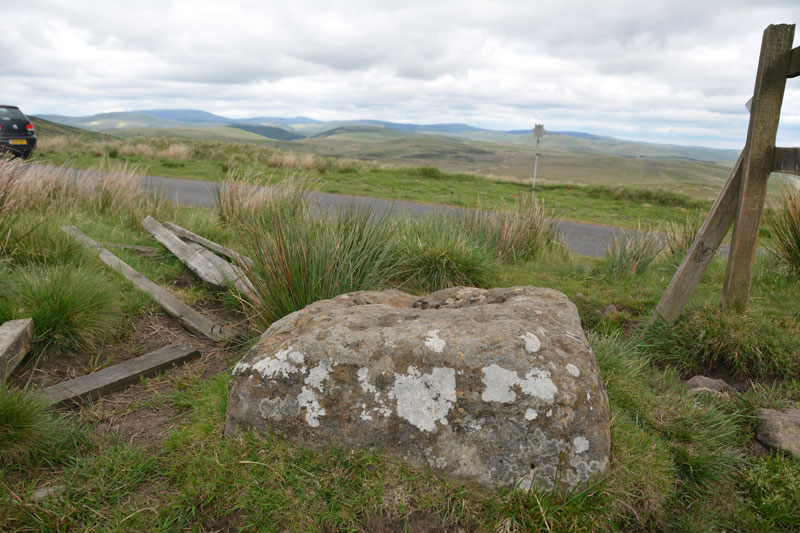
[(773, 68)]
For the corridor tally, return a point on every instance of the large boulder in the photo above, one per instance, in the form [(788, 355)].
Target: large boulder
[(494, 386)]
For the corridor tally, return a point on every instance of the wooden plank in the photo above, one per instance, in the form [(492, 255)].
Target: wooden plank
[(188, 317), (92, 386), (794, 64), (232, 273), (702, 250), (758, 155), (134, 247), (193, 260), (211, 245), (786, 160), (15, 343)]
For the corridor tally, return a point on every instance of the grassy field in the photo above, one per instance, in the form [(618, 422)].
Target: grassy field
[(153, 457), (210, 160)]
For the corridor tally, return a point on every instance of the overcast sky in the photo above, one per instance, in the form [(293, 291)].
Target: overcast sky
[(677, 72)]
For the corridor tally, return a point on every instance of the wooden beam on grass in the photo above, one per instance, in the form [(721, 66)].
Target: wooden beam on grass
[(189, 257), (786, 160), (211, 245), (135, 247), (92, 386), (702, 250), (15, 343), (188, 317), (770, 85), (232, 274)]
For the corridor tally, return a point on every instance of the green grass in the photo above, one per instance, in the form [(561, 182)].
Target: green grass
[(680, 460)]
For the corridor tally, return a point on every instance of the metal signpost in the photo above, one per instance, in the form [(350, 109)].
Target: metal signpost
[(538, 132)]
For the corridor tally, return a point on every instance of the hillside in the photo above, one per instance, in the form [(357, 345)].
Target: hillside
[(46, 128)]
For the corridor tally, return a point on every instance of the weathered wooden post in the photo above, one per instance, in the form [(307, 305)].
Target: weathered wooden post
[(538, 132), (741, 201)]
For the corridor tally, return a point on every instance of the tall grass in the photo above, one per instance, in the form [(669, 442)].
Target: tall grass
[(631, 253), (785, 229), (73, 308), (26, 424), (10, 172), (112, 190), (299, 259), (242, 197), (518, 233), (678, 237), (437, 253)]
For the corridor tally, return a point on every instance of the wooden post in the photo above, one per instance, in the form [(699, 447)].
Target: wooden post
[(703, 249), (773, 69), (15, 342)]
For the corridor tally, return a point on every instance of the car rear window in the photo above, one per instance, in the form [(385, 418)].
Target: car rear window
[(10, 113)]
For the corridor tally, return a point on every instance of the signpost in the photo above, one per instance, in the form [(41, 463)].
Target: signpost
[(538, 132)]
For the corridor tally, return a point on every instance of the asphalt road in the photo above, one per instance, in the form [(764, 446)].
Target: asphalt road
[(581, 238)]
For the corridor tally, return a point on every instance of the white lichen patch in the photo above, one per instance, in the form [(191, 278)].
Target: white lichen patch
[(366, 386), (499, 382), (433, 341), (424, 399), (531, 414), (580, 444), (307, 399), (284, 362), (573, 370), (532, 342)]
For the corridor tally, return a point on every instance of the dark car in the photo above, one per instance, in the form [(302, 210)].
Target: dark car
[(17, 134)]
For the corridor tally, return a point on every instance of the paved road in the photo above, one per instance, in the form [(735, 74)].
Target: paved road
[(582, 238)]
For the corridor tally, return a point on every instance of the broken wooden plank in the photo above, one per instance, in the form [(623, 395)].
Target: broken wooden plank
[(134, 247), (191, 319), (757, 163), (92, 386), (15, 342), (232, 274), (786, 160), (193, 260), (211, 245), (702, 250)]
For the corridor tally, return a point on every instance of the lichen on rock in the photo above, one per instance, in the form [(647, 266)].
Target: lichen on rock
[(493, 386)]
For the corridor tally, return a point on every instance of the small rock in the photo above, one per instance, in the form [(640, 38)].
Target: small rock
[(705, 384), (609, 311), (47, 492), (780, 430), (579, 297)]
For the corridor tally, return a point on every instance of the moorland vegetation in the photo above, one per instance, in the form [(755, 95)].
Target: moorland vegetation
[(681, 460)]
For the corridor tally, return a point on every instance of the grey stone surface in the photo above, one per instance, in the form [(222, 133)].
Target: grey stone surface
[(494, 386), (779, 430), (704, 383)]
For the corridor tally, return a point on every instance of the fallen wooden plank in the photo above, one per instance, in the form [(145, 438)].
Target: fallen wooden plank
[(211, 245), (134, 247), (193, 260), (191, 319), (94, 385), (702, 250), (15, 342), (232, 274)]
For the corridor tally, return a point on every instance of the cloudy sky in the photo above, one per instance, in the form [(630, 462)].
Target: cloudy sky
[(661, 71)]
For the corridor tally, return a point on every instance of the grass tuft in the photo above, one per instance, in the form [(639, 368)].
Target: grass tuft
[(437, 254), (784, 227), (631, 253), (73, 308)]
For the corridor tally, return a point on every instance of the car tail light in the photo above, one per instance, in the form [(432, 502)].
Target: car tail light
[(29, 127)]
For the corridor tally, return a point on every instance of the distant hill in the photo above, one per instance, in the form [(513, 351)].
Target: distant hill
[(175, 122), (270, 132), (46, 128)]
